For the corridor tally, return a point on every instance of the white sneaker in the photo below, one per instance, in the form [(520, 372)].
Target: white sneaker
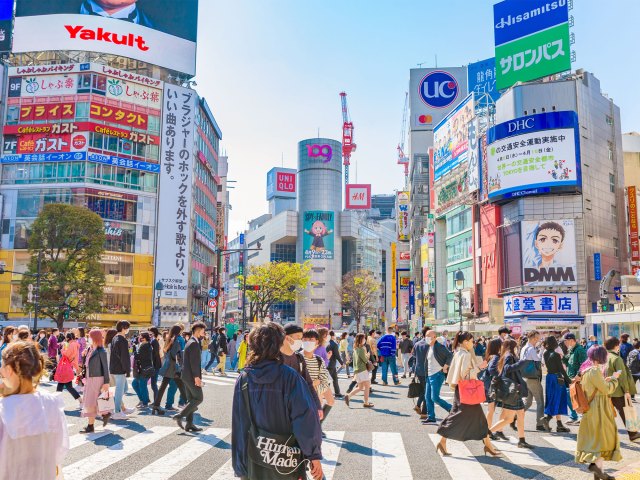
[(119, 416), (129, 411)]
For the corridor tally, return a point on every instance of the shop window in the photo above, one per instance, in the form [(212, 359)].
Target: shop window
[(84, 83), (117, 269), (153, 124), (119, 237), (99, 84), (116, 300), (95, 140), (13, 114), (82, 110)]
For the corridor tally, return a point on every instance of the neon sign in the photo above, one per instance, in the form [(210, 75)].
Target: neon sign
[(322, 151)]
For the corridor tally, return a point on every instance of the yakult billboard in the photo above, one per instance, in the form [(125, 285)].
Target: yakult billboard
[(160, 32)]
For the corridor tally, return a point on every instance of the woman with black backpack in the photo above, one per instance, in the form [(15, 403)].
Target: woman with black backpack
[(143, 369), (171, 367), (511, 389)]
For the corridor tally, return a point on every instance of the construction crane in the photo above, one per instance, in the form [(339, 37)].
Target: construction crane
[(348, 146), (402, 158)]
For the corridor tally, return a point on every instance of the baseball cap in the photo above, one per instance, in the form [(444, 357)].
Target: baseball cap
[(569, 336), (291, 328)]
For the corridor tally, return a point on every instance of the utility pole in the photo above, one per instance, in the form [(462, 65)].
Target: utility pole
[(36, 304), (217, 286), (244, 290)]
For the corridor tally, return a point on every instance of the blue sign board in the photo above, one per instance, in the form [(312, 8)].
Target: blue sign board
[(213, 293), (482, 79), (519, 18), (242, 239), (597, 266), (124, 162), (44, 157), (6, 9), (439, 89), (412, 298), (617, 291)]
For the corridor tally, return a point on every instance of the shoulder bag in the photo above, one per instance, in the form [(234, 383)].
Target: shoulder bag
[(64, 370), (268, 450), (471, 390), (415, 389)]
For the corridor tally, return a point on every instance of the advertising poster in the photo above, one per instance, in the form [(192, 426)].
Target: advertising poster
[(394, 266), (549, 253), (482, 79), (532, 40), (473, 161), (175, 198), (318, 235), (402, 215), (160, 32), (633, 226), (543, 304), (534, 155), (451, 139)]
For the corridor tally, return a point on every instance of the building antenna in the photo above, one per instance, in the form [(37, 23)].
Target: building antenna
[(282, 159), (318, 132), (436, 60)]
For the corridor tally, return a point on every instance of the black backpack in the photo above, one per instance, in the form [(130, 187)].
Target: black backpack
[(633, 362)]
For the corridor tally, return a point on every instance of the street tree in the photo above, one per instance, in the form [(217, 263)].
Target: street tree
[(277, 282), (359, 293), (67, 241)]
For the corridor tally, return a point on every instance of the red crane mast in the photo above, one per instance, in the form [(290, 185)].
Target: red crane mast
[(348, 146)]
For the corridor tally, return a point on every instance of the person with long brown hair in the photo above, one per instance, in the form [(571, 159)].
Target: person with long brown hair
[(360, 372), (96, 380), (492, 356), (464, 422), (171, 367), (275, 400), (31, 421), (510, 371)]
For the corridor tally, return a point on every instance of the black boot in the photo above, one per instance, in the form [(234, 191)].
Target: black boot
[(105, 419), (87, 429), (190, 427), (156, 410), (523, 444), (325, 412), (561, 428)]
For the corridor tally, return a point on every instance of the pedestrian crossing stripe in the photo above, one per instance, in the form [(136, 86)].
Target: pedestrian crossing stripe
[(389, 458)]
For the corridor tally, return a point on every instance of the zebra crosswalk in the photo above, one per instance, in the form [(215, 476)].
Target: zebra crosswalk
[(388, 455)]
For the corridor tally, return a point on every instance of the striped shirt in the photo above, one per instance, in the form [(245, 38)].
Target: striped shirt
[(318, 371)]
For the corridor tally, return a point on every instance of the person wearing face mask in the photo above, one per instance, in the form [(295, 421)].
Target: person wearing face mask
[(437, 361), (192, 378), (321, 351), (289, 352), (52, 352), (626, 386), (317, 370), (120, 365)]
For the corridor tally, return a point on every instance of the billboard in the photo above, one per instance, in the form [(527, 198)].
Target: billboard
[(433, 93), (531, 39), (451, 139), (482, 79), (543, 304), (318, 238), (174, 197), (394, 265), (281, 183), (47, 85), (6, 24), (633, 226), (534, 155), (402, 215), (549, 253), (160, 32), (358, 196)]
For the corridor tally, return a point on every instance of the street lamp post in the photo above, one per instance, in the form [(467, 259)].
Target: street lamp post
[(459, 284), (159, 288)]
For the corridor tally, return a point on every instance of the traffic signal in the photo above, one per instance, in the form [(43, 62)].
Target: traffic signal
[(66, 313), (604, 304), (255, 288)]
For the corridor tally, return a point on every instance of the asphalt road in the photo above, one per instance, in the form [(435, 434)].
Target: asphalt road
[(386, 442)]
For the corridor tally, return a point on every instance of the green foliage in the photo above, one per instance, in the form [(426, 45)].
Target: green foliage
[(279, 282), (359, 293), (69, 240)]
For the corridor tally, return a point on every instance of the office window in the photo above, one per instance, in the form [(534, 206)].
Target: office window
[(614, 214), (610, 150), (612, 183), (609, 120), (616, 247)]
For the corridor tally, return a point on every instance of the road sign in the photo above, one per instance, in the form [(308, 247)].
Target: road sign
[(213, 303), (213, 292)]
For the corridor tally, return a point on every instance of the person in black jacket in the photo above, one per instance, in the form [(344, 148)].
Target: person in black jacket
[(120, 365), (192, 378), (332, 367), (510, 372), (436, 365), (556, 386), (157, 360), (213, 350), (223, 350), (280, 403), (143, 369)]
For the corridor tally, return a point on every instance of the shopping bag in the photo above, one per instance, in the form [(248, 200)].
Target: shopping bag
[(631, 417), (64, 372), (106, 402), (415, 389), (471, 392)]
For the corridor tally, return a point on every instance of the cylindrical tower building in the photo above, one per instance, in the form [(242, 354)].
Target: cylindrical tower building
[(319, 241)]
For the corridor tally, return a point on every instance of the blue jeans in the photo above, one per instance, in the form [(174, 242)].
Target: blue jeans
[(121, 382), (434, 384), (573, 415), (389, 362), (140, 386), (171, 395), (234, 362), (206, 355)]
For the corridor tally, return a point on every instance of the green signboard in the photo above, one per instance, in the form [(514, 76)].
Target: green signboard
[(534, 56)]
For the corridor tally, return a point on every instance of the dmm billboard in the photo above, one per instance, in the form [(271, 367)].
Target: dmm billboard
[(534, 155), (160, 32)]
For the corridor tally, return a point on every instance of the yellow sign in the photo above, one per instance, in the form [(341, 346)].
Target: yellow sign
[(393, 275)]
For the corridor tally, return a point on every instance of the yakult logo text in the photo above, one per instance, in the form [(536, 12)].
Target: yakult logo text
[(438, 89), (100, 35), (322, 151)]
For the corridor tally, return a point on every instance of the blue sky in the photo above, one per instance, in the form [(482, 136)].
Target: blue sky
[(272, 70)]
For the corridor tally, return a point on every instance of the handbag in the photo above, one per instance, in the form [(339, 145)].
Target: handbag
[(64, 371), (631, 417), (532, 369), (369, 366), (268, 450), (416, 389), (505, 391), (471, 392), (106, 403)]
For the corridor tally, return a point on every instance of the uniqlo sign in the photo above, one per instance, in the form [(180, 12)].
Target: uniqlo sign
[(285, 182)]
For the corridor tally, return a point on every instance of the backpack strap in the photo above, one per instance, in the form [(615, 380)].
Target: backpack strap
[(244, 386)]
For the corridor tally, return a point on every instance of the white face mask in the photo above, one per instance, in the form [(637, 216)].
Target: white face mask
[(296, 345), (309, 346)]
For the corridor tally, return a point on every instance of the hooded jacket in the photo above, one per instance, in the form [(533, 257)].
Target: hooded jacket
[(281, 403)]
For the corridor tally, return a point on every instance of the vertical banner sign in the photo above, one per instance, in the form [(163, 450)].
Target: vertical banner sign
[(176, 179), (532, 40), (412, 299), (394, 266), (633, 226), (597, 267), (402, 205)]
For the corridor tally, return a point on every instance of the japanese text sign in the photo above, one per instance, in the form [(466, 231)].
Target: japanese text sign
[(49, 85), (543, 304), (48, 112), (633, 224), (118, 115), (402, 213)]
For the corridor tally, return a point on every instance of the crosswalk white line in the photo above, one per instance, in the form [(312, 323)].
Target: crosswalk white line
[(179, 458), (461, 462), (331, 447), (389, 458), (520, 456), (564, 444), (80, 439), (121, 450), (224, 473)]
